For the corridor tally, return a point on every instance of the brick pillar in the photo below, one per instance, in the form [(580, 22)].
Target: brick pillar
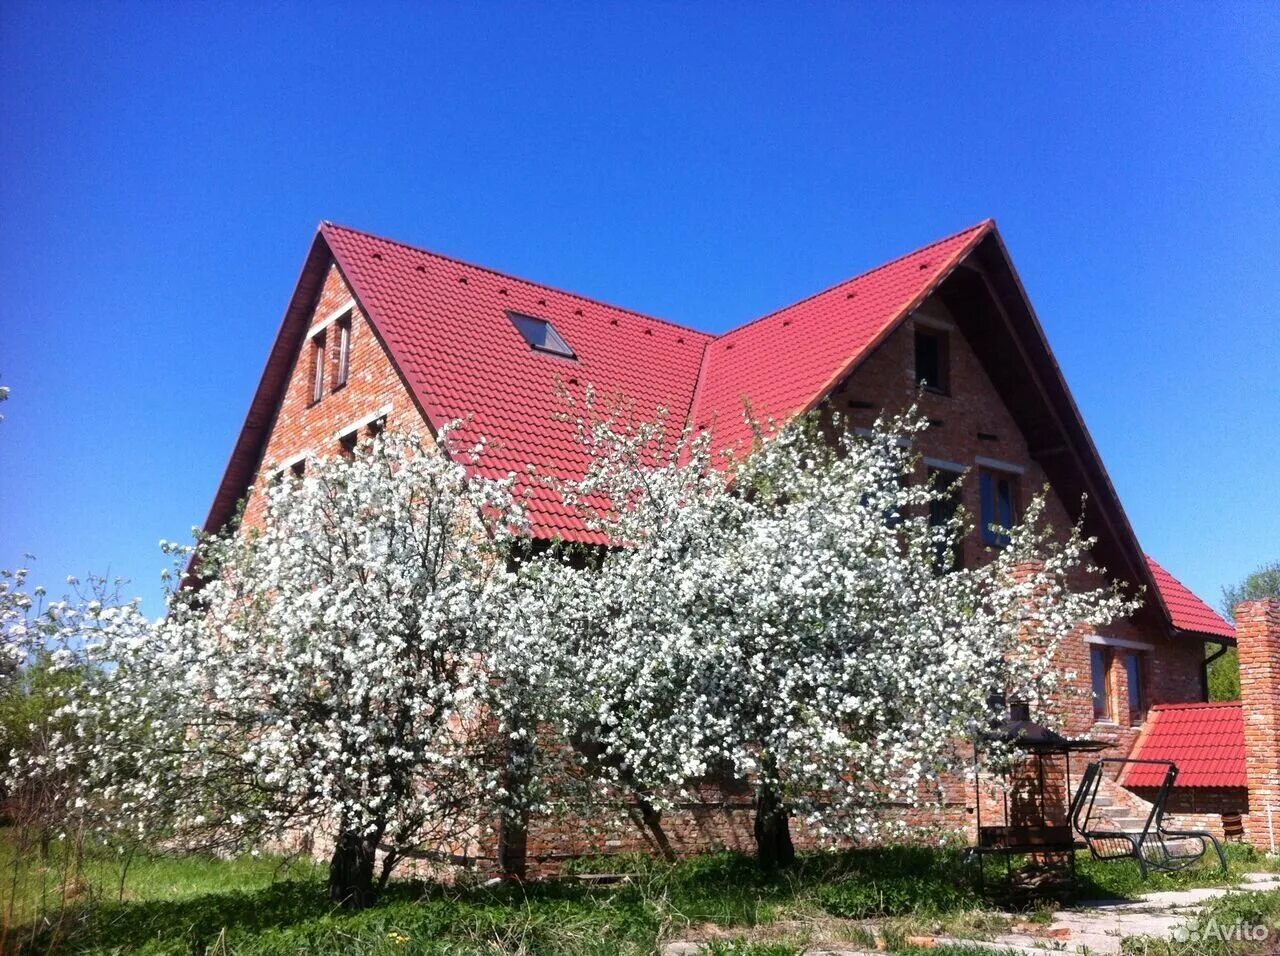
[(1258, 637)]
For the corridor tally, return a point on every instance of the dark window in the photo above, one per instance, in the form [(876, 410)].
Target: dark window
[(299, 468), (932, 360), (999, 505), (317, 368), (1100, 666), (377, 426), (541, 335), (348, 443), (344, 352), (941, 511), (1137, 693)]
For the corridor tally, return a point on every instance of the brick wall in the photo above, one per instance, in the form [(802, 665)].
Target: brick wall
[(1199, 808), (306, 426), (1258, 637), (970, 422)]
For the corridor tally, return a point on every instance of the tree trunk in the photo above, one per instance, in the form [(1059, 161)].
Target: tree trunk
[(513, 849), (513, 832), (351, 870), (772, 828), (652, 819)]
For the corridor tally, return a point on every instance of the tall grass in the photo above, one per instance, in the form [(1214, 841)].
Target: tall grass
[(268, 907)]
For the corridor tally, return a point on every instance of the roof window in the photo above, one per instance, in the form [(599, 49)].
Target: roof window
[(541, 335)]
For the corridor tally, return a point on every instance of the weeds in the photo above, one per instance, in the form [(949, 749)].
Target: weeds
[(196, 905)]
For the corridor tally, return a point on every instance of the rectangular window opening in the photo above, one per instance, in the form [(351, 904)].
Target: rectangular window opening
[(344, 352), (999, 492), (941, 511), (1137, 692), (541, 335), (933, 365), (347, 443), (298, 468), (1100, 667), (317, 368)]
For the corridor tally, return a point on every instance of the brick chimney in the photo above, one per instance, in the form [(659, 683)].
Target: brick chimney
[(1258, 638)]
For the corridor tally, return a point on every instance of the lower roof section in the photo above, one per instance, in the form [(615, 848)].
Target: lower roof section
[(1206, 741)]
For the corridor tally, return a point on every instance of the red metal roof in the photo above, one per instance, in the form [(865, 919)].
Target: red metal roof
[(786, 362), (445, 323), (1206, 741), (446, 326), (1187, 611)]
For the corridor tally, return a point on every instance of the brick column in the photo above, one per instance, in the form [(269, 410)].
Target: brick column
[(1258, 637)]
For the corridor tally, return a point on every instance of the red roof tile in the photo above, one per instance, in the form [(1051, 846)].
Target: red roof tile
[(1206, 741), (786, 362), (445, 324), (1187, 611)]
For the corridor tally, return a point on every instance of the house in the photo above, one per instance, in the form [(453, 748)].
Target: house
[(380, 334)]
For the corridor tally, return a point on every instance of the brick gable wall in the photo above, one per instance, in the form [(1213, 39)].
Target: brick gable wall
[(303, 426), (973, 423)]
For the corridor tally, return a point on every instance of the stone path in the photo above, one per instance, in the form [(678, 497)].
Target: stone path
[(1098, 927), (1090, 927)]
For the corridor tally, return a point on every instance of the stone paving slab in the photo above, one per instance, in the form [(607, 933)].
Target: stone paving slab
[(1091, 927), (1100, 926)]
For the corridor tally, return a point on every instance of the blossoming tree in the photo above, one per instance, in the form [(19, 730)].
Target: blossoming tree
[(322, 675), (381, 655), (786, 619)]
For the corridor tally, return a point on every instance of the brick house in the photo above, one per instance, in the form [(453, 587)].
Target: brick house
[(381, 334)]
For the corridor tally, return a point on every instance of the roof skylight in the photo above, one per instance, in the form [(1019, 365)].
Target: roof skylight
[(541, 335)]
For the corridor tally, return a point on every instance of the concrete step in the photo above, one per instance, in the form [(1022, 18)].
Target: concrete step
[(1261, 877)]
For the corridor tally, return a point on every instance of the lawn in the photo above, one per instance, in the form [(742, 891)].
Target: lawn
[(263, 907)]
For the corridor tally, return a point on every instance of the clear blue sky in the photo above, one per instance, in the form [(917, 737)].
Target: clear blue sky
[(163, 167)]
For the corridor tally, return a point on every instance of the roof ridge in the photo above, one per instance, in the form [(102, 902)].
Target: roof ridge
[(514, 278), (988, 222)]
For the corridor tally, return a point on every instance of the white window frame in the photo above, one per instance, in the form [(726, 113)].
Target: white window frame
[(344, 352), (944, 465), (360, 423), (282, 467), (995, 464), (1119, 642), (319, 356), (331, 317)]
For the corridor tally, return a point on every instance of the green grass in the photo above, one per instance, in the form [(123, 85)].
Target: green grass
[(1120, 879), (265, 907), (31, 886), (1218, 919)]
